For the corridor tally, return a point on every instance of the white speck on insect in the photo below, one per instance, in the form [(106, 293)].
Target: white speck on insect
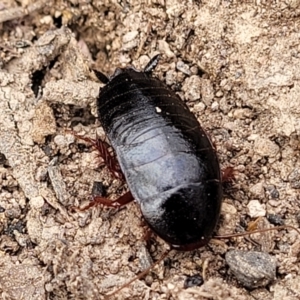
[(158, 109)]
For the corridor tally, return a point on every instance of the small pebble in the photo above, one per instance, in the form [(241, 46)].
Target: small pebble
[(294, 178), (37, 202), (41, 173), (252, 269), (63, 141), (192, 88), (256, 209), (57, 182), (258, 190), (130, 36), (265, 147), (13, 212), (219, 94), (149, 280), (46, 20), (271, 189), (215, 106), (163, 47), (170, 77), (228, 209), (275, 219), (98, 189), (199, 107), (194, 280), (145, 258), (184, 68)]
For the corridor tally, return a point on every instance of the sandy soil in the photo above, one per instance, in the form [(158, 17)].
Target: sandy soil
[(235, 63)]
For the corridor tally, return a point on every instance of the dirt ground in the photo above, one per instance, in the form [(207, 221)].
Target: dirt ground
[(235, 63)]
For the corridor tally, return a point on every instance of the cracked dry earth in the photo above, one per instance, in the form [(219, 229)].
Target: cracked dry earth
[(236, 65)]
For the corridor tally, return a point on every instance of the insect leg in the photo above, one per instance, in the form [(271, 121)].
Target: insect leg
[(227, 175), (121, 201), (103, 149), (109, 160)]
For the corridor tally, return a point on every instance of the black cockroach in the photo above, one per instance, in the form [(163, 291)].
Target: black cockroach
[(167, 159)]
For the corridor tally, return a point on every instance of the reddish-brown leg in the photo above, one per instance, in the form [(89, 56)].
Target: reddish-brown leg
[(227, 175), (121, 201), (103, 149), (147, 236)]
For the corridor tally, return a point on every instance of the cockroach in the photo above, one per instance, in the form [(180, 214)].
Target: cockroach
[(168, 161)]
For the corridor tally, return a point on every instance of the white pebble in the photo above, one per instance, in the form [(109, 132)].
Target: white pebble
[(37, 202), (130, 36), (256, 209), (215, 106)]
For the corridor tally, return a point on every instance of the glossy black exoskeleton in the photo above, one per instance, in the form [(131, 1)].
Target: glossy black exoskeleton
[(169, 163)]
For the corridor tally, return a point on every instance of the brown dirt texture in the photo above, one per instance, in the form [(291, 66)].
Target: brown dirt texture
[(235, 63)]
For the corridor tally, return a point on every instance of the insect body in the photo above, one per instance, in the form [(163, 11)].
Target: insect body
[(169, 163)]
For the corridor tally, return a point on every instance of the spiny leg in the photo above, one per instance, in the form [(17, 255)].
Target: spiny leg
[(228, 175), (103, 149), (113, 165), (121, 201)]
